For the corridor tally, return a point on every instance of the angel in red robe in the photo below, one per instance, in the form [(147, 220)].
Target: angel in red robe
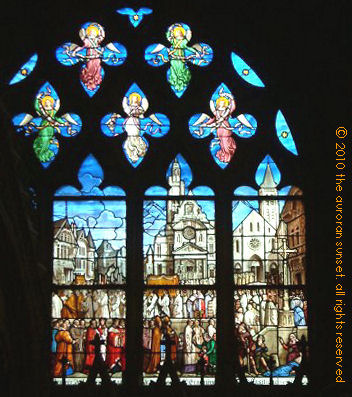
[(222, 125), (224, 107), (91, 73)]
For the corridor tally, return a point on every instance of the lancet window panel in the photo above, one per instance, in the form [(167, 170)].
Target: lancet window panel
[(270, 304), (179, 244), (89, 276)]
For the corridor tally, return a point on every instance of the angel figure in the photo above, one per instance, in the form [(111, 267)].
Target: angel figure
[(91, 75), (135, 104), (222, 125), (47, 104), (179, 54), (91, 54)]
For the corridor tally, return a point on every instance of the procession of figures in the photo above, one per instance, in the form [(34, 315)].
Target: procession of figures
[(188, 319), (78, 318)]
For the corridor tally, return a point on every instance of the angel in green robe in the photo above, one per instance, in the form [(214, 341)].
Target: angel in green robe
[(180, 75), (46, 107)]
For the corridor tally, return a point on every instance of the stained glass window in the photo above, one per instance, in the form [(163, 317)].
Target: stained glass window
[(208, 266), (179, 264), (89, 274), (271, 313)]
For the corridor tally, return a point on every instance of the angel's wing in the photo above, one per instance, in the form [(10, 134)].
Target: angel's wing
[(68, 117), (64, 54), (74, 125), (212, 106), (126, 106), (57, 104), (244, 125), (202, 55), (243, 120), (197, 126), (114, 54), (156, 54), (188, 34), (112, 124), (155, 119), (145, 104), (22, 119), (201, 119), (25, 123)]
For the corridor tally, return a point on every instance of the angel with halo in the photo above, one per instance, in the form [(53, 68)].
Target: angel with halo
[(179, 55), (135, 104), (47, 104), (222, 125)]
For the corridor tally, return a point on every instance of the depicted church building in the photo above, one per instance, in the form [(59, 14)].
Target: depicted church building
[(262, 248), (186, 245), (77, 261)]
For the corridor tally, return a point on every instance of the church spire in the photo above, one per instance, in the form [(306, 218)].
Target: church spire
[(269, 209), (268, 181), (268, 186)]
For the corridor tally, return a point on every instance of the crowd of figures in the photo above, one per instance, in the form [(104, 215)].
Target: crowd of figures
[(254, 311), (187, 319), (74, 340), (260, 308), (192, 345), (179, 304), (89, 304)]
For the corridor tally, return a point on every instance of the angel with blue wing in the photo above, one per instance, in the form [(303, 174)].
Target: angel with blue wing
[(135, 17), (91, 54), (179, 54), (135, 104), (47, 104), (222, 125)]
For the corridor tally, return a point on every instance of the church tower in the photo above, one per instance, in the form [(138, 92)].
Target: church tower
[(177, 185), (269, 209), (177, 188)]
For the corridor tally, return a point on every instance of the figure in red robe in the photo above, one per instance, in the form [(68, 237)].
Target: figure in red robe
[(90, 335), (91, 73), (292, 348), (115, 358), (224, 107)]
